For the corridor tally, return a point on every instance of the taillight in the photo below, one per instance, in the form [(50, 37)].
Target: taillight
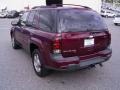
[(109, 37), (57, 44)]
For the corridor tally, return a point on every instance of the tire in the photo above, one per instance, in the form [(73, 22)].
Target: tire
[(38, 66), (116, 24), (14, 43)]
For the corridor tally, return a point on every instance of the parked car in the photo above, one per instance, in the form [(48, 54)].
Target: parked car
[(3, 14), (107, 14), (21, 13), (12, 14), (117, 20), (62, 38)]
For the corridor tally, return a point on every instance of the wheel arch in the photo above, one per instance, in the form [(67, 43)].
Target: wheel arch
[(35, 44), (12, 31)]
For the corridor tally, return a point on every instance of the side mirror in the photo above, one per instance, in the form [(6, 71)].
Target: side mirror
[(15, 22)]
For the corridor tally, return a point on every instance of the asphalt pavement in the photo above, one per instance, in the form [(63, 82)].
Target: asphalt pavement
[(16, 71)]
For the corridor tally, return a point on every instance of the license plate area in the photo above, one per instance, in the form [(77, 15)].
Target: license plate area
[(89, 42)]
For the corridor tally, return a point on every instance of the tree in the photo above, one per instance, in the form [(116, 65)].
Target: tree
[(109, 1), (112, 1), (117, 1)]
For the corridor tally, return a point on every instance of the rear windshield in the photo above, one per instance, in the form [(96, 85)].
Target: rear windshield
[(74, 20)]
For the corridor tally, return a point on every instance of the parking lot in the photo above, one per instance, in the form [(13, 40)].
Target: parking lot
[(16, 71)]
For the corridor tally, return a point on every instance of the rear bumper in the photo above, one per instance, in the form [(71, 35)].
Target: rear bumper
[(77, 62), (86, 63)]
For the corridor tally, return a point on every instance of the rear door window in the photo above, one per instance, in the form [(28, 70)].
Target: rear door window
[(30, 18), (46, 22), (24, 17), (36, 19)]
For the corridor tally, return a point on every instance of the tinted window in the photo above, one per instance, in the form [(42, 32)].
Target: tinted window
[(23, 18), (79, 20), (36, 19), (46, 20), (102, 11), (30, 18)]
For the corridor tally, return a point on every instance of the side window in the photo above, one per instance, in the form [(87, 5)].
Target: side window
[(36, 19), (46, 21), (23, 19), (30, 18)]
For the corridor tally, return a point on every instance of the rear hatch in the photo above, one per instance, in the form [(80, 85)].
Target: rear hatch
[(84, 43), (83, 32)]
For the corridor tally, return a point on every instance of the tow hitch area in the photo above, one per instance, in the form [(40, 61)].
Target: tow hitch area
[(94, 66)]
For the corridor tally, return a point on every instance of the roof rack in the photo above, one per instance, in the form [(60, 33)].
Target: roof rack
[(59, 5), (52, 6)]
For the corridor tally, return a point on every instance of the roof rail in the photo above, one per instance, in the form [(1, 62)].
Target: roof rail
[(58, 5), (76, 5), (52, 6)]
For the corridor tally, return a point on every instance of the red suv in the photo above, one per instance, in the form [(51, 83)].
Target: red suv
[(62, 38)]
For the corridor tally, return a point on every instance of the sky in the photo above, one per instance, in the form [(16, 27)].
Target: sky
[(20, 4)]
